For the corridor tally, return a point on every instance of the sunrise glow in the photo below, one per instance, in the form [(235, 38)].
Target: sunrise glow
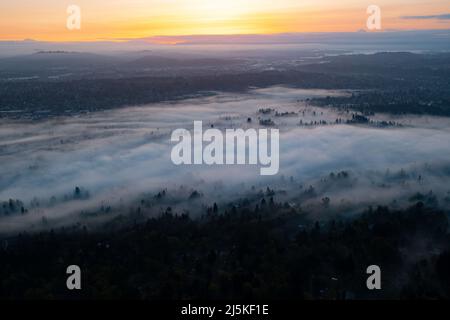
[(117, 19)]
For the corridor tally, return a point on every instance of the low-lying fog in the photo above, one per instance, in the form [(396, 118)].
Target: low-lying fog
[(120, 159)]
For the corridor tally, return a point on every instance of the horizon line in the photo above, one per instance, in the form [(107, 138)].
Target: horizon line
[(119, 40)]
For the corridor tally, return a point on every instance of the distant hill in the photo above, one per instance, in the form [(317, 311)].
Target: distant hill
[(57, 59), (45, 60), (394, 63), (153, 61)]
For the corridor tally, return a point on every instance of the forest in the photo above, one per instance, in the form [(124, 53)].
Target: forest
[(267, 251)]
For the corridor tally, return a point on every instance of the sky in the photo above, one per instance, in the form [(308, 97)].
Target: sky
[(119, 19)]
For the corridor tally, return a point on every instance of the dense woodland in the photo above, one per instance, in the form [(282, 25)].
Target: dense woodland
[(410, 101), (267, 251)]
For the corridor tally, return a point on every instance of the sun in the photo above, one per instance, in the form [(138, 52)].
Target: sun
[(218, 10)]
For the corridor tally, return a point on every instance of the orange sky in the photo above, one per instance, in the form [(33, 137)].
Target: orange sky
[(113, 19)]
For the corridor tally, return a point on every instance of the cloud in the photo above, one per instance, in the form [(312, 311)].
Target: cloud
[(445, 16)]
